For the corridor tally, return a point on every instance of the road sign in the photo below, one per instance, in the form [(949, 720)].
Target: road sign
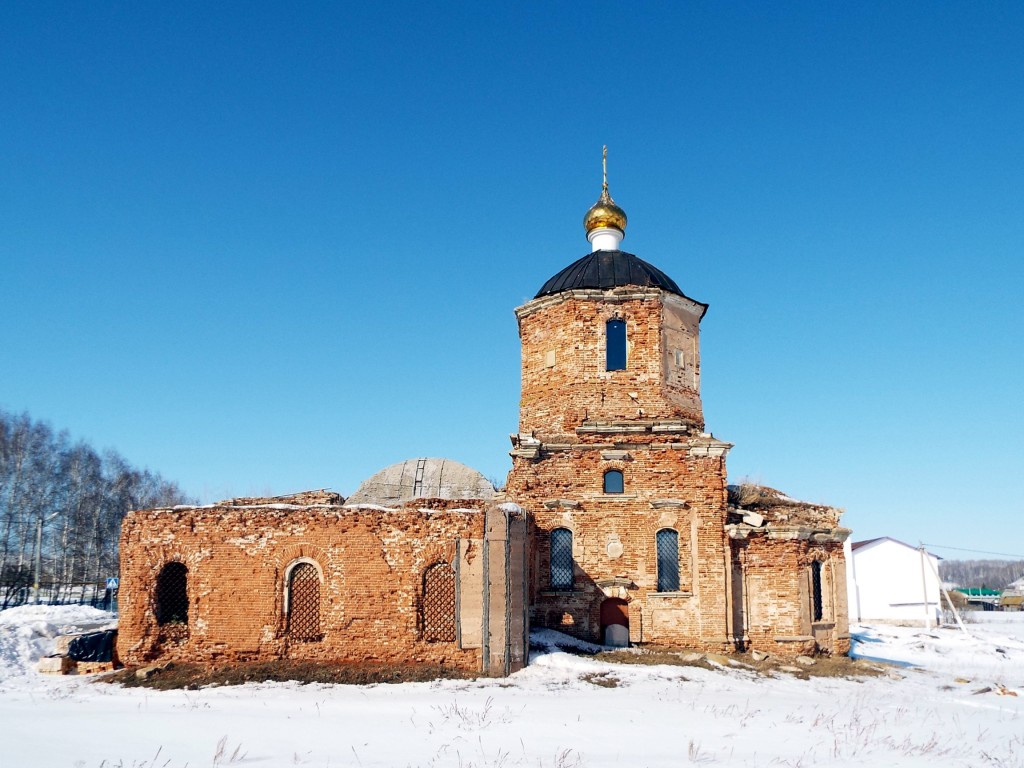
[(113, 582)]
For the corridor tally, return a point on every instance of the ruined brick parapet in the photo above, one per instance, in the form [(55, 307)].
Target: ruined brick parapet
[(794, 588)]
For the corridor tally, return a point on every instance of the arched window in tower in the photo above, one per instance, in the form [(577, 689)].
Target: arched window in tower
[(561, 559), (171, 598), (615, 345), (667, 543), (613, 482)]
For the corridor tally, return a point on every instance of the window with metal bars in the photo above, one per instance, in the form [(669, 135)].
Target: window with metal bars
[(561, 559), (667, 543), (817, 605), (304, 603), (171, 598), (615, 345), (437, 604)]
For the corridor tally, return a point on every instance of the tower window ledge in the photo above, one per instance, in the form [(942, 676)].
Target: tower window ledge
[(670, 427), (603, 429), (663, 595), (616, 497)]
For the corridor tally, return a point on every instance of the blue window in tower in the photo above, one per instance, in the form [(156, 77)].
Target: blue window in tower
[(613, 482), (667, 544), (561, 559), (615, 345)]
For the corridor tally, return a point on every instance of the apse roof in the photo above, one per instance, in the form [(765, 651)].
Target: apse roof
[(610, 269)]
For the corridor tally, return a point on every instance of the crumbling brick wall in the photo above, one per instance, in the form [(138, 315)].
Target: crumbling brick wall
[(577, 422), (370, 561), (614, 539), (564, 381), (789, 573)]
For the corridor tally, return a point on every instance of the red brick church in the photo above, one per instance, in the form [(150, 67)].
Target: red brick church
[(616, 524)]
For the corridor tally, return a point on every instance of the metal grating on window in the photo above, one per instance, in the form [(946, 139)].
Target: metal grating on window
[(437, 609), (667, 543), (304, 604), (816, 602), (171, 604), (561, 559)]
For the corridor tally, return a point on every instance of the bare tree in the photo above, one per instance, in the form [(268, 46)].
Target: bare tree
[(61, 506)]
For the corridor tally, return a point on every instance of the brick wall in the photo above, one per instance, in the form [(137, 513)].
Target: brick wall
[(577, 421), (644, 421), (371, 563), (564, 381), (777, 592), (614, 539)]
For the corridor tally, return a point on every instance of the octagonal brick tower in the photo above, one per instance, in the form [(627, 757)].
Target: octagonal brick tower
[(626, 490)]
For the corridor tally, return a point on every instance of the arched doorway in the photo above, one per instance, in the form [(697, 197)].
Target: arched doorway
[(615, 622)]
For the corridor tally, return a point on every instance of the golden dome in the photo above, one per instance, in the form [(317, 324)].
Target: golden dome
[(605, 213)]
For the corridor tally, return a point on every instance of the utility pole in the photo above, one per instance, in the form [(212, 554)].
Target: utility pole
[(924, 587)]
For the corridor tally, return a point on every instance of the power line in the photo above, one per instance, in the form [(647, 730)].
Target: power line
[(975, 551)]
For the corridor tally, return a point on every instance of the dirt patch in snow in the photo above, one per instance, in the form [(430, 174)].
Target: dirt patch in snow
[(823, 666), (192, 676)]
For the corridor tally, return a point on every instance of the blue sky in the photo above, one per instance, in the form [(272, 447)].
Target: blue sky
[(260, 248)]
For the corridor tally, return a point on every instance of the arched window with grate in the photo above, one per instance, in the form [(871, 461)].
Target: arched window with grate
[(614, 482), (437, 604), (303, 603), (615, 345), (667, 543), (171, 598), (561, 559), (817, 603)]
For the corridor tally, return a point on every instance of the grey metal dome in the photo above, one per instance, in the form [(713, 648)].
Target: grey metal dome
[(422, 479)]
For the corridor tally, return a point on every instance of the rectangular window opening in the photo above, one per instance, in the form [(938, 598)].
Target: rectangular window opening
[(615, 345)]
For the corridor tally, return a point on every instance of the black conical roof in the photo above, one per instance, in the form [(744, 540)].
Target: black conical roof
[(610, 269)]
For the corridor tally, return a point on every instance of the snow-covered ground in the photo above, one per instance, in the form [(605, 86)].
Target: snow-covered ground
[(954, 708)]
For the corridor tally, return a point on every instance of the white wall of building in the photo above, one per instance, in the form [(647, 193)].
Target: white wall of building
[(885, 583)]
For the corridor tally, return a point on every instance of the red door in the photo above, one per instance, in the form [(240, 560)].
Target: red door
[(614, 611)]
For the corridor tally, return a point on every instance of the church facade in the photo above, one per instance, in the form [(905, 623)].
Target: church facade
[(616, 524), (635, 538)]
